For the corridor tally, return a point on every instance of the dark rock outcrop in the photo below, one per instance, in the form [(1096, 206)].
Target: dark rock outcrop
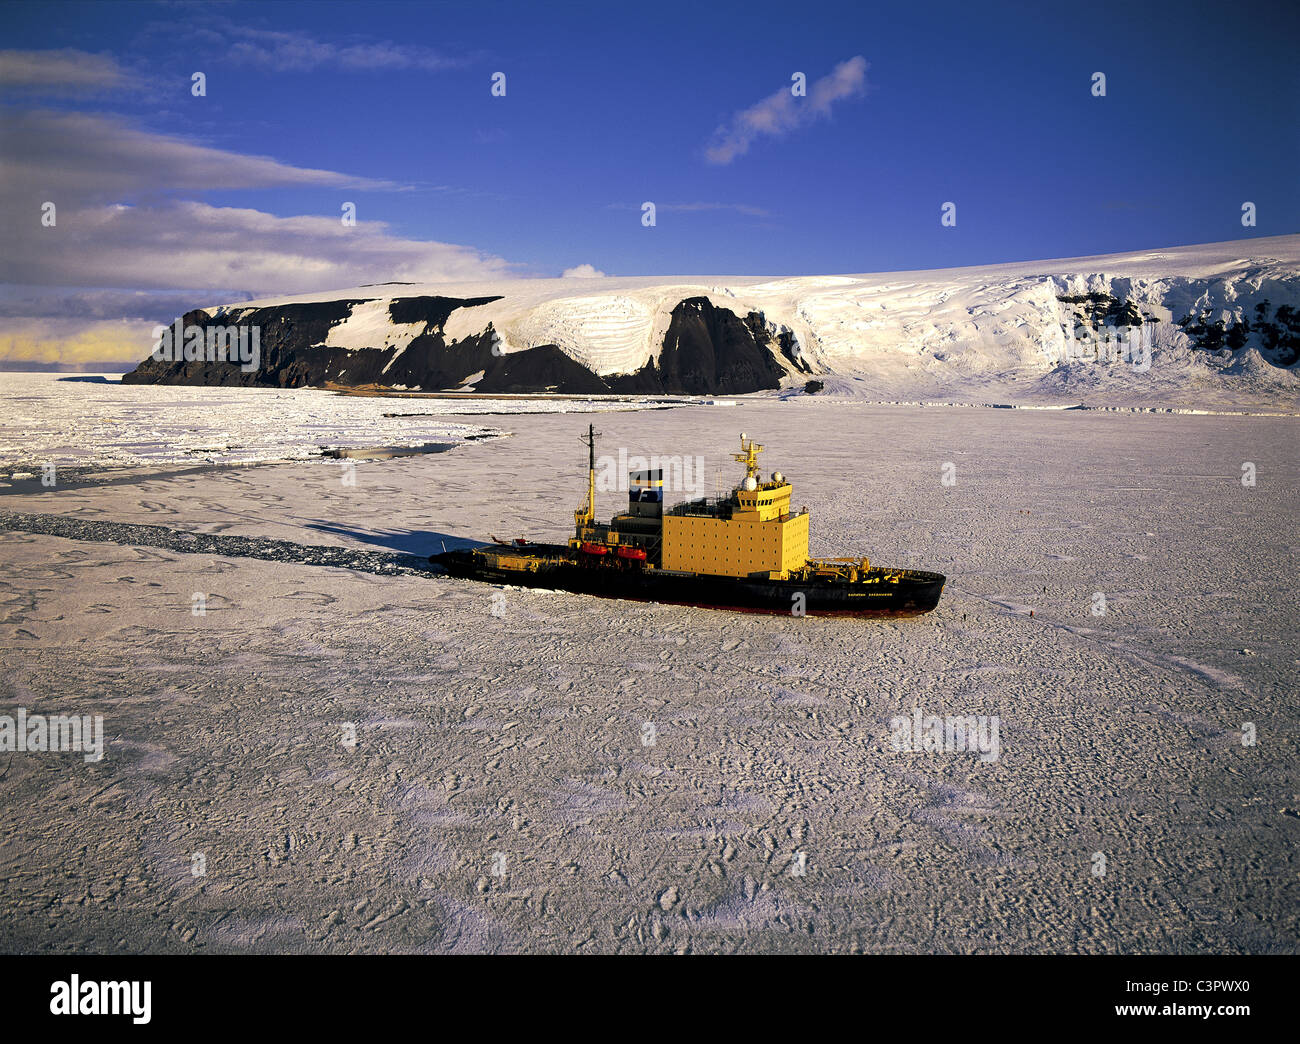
[(706, 351)]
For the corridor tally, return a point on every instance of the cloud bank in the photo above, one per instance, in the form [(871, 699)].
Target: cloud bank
[(129, 233)]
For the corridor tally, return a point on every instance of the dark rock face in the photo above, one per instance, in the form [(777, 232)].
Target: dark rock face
[(706, 351), (293, 353), (785, 339)]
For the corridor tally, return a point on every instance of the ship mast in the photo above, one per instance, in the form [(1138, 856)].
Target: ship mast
[(589, 516)]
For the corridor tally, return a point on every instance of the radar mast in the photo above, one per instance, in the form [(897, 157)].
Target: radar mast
[(749, 456)]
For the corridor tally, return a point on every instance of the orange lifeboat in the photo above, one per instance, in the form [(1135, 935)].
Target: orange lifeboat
[(634, 553), (588, 548)]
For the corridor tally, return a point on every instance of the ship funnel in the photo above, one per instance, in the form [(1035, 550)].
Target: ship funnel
[(645, 493)]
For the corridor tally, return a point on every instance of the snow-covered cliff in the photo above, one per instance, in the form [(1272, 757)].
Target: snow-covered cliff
[(1216, 322)]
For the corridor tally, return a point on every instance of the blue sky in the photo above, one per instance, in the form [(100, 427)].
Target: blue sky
[(388, 105)]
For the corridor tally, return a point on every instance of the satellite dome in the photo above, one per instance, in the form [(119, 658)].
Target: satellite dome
[(751, 483), (777, 477)]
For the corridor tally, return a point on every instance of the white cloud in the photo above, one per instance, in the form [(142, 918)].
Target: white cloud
[(780, 113), (63, 302), (59, 71), (582, 272), (75, 158), (739, 208), (697, 207), (299, 52), (196, 246)]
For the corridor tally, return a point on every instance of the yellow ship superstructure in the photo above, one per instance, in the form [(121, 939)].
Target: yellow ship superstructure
[(751, 533)]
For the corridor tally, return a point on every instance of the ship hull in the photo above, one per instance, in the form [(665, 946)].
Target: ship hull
[(912, 592)]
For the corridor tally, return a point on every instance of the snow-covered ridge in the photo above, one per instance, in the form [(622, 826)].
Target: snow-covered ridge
[(884, 334)]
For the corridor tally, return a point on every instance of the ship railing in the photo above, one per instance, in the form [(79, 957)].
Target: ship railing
[(718, 507), (851, 569), (711, 507)]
